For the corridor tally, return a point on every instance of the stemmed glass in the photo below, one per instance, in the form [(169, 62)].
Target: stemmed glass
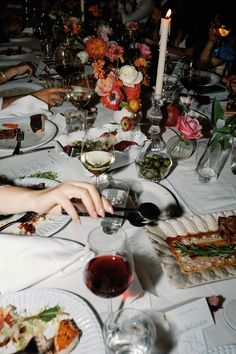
[(81, 90), (97, 150), (155, 117), (109, 271)]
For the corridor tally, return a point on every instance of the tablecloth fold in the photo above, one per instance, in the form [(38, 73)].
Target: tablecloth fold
[(26, 261)]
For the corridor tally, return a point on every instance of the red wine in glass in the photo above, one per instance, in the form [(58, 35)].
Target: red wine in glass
[(65, 70), (108, 276)]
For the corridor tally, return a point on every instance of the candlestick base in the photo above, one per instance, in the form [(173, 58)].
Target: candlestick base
[(155, 117)]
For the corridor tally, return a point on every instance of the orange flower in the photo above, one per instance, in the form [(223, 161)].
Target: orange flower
[(133, 93), (96, 47), (95, 11), (141, 62)]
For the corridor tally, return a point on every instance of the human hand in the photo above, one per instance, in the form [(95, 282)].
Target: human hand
[(23, 68), (55, 199), (212, 35), (51, 96)]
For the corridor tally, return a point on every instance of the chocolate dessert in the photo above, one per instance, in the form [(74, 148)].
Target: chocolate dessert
[(8, 133), (37, 123)]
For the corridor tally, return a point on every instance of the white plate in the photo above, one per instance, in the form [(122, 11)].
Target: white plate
[(34, 300), (222, 349), (4, 56), (31, 139), (46, 228), (18, 88), (147, 191), (187, 226), (213, 77)]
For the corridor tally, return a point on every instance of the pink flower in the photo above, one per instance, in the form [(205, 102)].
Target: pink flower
[(189, 127), (144, 50), (104, 86), (115, 52)]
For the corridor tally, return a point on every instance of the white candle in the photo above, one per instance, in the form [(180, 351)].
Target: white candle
[(82, 9), (164, 32)]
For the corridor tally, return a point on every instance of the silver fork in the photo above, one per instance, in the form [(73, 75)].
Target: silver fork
[(19, 138)]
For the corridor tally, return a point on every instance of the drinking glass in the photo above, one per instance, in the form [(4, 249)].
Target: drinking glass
[(97, 150), (129, 331), (109, 270), (81, 90), (64, 61), (117, 192), (189, 76)]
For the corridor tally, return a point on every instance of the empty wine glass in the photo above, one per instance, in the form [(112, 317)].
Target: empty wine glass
[(109, 271), (97, 150)]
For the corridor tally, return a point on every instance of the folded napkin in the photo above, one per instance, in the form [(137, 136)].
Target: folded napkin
[(26, 261), (26, 105)]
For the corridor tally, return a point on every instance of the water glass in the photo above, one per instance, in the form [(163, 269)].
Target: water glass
[(75, 120), (129, 331), (117, 192)]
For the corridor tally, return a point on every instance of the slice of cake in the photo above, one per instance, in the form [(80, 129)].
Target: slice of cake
[(8, 133), (37, 123)]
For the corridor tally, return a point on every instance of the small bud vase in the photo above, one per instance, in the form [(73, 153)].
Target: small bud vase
[(180, 148)]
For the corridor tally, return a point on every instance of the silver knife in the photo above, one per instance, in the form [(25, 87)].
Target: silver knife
[(30, 151)]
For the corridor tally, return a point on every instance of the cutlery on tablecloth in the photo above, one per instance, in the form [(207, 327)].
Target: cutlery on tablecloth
[(19, 138), (26, 217)]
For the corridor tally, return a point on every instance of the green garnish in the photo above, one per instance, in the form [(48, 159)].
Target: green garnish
[(211, 250), (47, 175), (47, 314)]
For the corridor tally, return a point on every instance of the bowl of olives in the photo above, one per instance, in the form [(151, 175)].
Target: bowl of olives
[(153, 165)]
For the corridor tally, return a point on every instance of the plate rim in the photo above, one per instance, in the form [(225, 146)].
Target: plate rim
[(44, 142), (96, 320)]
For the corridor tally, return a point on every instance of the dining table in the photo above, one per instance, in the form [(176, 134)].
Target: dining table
[(153, 290)]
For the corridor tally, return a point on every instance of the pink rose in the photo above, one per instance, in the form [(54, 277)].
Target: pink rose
[(144, 50), (189, 127)]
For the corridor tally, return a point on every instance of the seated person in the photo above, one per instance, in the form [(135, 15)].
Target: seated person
[(15, 199), (51, 96), (135, 12), (220, 49), (15, 70)]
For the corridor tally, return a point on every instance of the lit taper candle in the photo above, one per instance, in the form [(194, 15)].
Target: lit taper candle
[(164, 33)]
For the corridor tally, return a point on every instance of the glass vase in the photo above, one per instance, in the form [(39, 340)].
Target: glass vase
[(211, 163), (180, 148)]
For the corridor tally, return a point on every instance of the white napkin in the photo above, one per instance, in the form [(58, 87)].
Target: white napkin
[(26, 261), (26, 105)]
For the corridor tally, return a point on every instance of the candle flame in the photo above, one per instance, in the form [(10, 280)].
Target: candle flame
[(168, 14)]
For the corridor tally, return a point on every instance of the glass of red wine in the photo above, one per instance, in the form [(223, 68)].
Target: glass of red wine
[(109, 270)]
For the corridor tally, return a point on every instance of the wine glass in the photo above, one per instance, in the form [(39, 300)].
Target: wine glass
[(64, 61), (82, 90), (110, 269), (97, 150), (189, 76)]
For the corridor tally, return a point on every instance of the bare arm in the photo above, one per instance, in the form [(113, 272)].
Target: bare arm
[(18, 199)]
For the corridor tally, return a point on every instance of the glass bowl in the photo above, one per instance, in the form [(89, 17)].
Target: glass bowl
[(152, 165)]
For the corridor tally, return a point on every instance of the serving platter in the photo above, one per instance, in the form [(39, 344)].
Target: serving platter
[(44, 227), (31, 139), (32, 301), (186, 226)]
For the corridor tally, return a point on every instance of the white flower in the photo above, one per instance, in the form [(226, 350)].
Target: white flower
[(83, 56), (129, 75)]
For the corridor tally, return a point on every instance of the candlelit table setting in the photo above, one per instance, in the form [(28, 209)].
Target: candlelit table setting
[(189, 310)]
